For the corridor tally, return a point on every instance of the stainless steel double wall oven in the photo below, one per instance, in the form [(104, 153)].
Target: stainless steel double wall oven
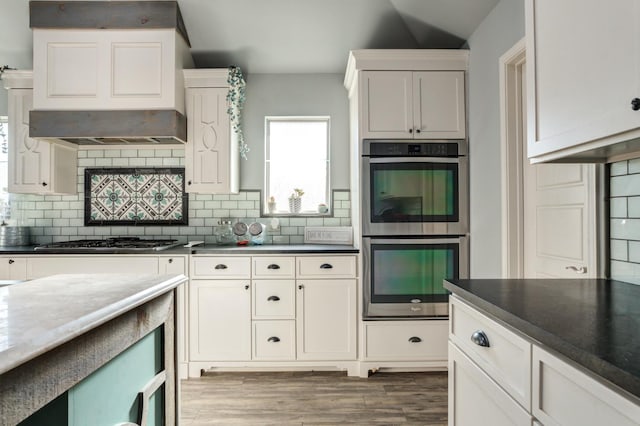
[(415, 220)]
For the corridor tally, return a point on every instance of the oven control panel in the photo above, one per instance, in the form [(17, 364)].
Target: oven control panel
[(411, 149)]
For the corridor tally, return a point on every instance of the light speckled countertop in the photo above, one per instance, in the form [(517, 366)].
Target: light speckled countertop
[(37, 316)]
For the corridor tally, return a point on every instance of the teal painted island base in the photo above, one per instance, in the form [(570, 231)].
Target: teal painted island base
[(110, 395), (106, 358)]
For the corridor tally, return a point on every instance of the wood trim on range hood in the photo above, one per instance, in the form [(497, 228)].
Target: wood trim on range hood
[(134, 126), (136, 15)]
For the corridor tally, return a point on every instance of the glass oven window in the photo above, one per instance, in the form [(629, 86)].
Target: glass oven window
[(414, 192), (402, 272)]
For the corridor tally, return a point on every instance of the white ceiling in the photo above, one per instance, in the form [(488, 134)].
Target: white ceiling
[(291, 36)]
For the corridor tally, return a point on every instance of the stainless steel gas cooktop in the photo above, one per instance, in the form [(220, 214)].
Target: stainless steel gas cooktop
[(109, 245)]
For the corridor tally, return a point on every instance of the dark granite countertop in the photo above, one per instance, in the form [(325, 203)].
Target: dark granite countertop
[(201, 249), (593, 322), (275, 249)]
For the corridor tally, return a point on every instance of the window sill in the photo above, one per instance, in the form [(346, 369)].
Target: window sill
[(301, 214)]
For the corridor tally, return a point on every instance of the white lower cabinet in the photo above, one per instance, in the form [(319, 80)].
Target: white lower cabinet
[(497, 377), (563, 395), (478, 400), (220, 320), (326, 319), (13, 268), (277, 311), (405, 340), (274, 340), (45, 265)]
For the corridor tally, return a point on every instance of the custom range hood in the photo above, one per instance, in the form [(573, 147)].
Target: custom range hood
[(108, 72)]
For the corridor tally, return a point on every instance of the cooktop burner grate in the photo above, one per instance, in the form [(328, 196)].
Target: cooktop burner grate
[(119, 243)]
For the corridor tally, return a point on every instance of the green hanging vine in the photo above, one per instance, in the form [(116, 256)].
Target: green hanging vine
[(235, 99)]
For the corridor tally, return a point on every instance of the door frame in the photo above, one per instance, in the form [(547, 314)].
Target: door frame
[(513, 152), (512, 138)]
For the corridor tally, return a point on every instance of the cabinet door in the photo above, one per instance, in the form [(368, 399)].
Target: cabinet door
[(475, 399), (13, 268), (211, 162), (583, 70), (220, 320), (29, 165), (326, 319), (438, 105), (177, 265), (563, 395), (37, 166), (387, 104)]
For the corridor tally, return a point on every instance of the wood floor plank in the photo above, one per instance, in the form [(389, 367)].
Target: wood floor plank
[(314, 398)]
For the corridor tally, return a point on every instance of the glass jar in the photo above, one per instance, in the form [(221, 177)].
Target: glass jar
[(224, 233)]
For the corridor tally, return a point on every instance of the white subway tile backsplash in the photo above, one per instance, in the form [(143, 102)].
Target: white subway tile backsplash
[(129, 153), (624, 186), (625, 271), (95, 153), (87, 162), (137, 162), (634, 251), (60, 218), (624, 229), (619, 168), (120, 162), (155, 162), (341, 195)]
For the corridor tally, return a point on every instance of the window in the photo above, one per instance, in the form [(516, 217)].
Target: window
[(5, 210), (297, 157)]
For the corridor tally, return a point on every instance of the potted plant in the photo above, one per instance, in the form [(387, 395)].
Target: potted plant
[(295, 200)]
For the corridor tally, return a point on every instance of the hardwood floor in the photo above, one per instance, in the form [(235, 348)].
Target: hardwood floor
[(315, 398)]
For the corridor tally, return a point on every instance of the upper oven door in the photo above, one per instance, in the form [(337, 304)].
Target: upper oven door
[(406, 196)]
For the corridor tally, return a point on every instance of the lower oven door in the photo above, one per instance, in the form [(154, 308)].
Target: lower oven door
[(403, 277)]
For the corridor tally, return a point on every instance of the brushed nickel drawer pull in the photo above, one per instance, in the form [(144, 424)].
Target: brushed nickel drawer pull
[(221, 266), (480, 339)]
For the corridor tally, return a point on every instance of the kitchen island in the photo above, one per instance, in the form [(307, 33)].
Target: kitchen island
[(61, 333), (566, 351)]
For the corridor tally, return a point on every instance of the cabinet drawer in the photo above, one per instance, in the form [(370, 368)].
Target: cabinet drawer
[(220, 267), (42, 266), (327, 266), (274, 267), (507, 358), (274, 299), (274, 340), (563, 395), (475, 399), (406, 341)]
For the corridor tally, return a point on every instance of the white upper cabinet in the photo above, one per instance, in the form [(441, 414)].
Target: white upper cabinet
[(583, 79), (211, 152), (35, 166), (108, 69), (413, 105)]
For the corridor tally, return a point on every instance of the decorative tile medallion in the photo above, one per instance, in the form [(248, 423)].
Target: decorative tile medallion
[(130, 196)]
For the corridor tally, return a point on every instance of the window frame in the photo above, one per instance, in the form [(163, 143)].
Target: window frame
[(267, 165)]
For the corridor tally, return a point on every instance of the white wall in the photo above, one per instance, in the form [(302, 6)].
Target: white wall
[(15, 41), (502, 28), (295, 95)]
